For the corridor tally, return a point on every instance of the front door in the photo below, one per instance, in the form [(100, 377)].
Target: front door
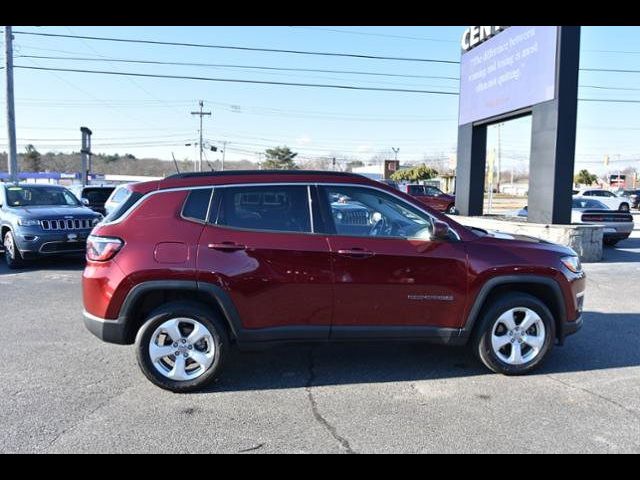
[(387, 271), (259, 246)]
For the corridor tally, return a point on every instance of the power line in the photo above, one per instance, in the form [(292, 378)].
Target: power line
[(235, 80), (250, 67), (234, 47), (370, 34)]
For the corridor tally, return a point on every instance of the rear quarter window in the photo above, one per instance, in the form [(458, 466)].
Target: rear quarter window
[(196, 205)]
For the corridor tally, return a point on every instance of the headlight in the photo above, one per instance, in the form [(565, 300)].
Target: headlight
[(572, 263), (27, 222)]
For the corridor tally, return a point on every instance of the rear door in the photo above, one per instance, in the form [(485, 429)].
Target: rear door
[(260, 246), (388, 273)]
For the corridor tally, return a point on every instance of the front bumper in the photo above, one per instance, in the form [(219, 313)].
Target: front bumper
[(111, 331), (569, 328), (51, 243)]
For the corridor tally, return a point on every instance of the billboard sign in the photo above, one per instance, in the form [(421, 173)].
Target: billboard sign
[(514, 69)]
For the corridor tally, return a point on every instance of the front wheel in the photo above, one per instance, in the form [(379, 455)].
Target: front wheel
[(181, 346), (12, 255), (515, 335)]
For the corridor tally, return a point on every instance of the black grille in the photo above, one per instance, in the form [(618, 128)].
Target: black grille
[(59, 247)]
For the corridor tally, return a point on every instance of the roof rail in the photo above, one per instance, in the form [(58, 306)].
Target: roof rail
[(258, 172)]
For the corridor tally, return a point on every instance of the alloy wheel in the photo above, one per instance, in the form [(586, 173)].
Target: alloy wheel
[(518, 336), (182, 349)]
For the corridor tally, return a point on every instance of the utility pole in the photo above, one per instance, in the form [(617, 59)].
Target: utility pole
[(224, 153), (499, 154), (85, 155), (201, 114), (396, 150), (12, 159)]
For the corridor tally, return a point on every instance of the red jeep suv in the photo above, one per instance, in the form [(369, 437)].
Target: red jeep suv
[(189, 265)]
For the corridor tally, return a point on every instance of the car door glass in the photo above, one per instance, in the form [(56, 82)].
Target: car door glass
[(433, 192), (365, 212), (273, 208), (416, 190)]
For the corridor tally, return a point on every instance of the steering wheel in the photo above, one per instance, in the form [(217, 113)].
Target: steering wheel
[(379, 228)]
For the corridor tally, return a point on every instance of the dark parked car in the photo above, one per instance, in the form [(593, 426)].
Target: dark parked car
[(634, 195), (93, 196), (42, 220), (191, 264), (432, 197)]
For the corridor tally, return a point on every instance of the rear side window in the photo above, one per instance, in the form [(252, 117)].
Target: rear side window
[(275, 208), (120, 210), (418, 190), (197, 204), (120, 195)]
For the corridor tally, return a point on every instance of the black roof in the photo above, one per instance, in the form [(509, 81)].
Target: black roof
[(230, 173)]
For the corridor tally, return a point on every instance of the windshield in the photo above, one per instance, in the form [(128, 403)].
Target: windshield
[(26, 196), (97, 195)]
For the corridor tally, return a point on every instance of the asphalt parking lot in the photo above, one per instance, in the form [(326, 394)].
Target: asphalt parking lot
[(63, 390)]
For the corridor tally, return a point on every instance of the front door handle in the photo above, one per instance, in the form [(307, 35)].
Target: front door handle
[(226, 246), (356, 253)]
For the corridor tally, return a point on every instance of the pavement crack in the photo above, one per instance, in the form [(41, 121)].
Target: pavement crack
[(601, 397), (251, 449), (87, 415), (344, 443)]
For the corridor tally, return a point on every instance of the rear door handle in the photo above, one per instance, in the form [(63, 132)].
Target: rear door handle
[(226, 246), (356, 253)]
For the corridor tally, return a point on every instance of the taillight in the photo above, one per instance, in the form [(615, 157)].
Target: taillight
[(101, 249)]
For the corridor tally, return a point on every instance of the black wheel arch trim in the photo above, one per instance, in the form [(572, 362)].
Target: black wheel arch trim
[(501, 280), (303, 333)]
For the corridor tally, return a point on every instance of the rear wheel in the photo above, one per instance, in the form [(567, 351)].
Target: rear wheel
[(181, 346), (515, 335), (451, 209), (624, 207), (12, 255)]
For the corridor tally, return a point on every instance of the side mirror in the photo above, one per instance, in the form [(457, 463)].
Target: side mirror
[(84, 202), (440, 231)]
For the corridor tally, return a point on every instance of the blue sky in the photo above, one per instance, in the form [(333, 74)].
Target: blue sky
[(151, 117)]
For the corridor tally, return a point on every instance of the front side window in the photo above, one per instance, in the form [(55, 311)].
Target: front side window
[(26, 196), (273, 208), (364, 212)]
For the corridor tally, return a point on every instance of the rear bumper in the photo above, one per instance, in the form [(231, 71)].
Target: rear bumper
[(111, 331)]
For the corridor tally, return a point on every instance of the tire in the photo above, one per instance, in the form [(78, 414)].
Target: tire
[(514, 305), (624, 207), (12, 255), (611, 243), (214, 351), (451, 209)]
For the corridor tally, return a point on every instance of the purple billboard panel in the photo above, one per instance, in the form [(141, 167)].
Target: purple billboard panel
[(513, 70)]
